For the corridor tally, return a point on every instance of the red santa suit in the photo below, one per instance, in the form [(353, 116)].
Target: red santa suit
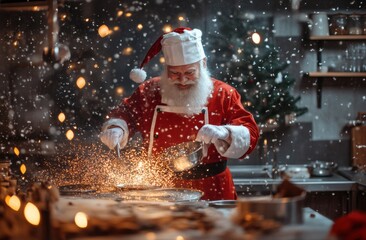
[(164, 126)]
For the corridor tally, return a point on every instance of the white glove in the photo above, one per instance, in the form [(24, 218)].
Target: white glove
[(111, 137), (211, 133)]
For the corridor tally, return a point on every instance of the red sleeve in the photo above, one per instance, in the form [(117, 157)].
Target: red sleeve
[(237, 115), (132, 109)]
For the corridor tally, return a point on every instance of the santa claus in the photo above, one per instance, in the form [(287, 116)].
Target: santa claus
[(186, 104)]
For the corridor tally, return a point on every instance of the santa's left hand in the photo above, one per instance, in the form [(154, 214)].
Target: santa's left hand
[(211, 133)]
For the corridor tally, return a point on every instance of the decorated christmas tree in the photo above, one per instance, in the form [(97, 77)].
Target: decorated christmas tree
[(245, 57)]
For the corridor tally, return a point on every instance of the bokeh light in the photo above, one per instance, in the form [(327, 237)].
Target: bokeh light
[(13, 202), (61, 117), (32, 214), (256, 38), (81, 220), (103, 31), (80, 82), (70, 134)]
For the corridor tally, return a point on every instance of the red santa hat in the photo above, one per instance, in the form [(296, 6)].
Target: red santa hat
[(181, 46)]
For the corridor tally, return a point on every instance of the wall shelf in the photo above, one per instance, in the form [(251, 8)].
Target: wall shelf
[(336, 74), (321, 75), (338, 37)]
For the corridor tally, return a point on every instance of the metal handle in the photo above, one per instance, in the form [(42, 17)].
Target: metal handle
[(118, 150), (222, 144)]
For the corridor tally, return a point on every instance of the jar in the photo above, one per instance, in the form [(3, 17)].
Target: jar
[(354, 24), (338, 24)]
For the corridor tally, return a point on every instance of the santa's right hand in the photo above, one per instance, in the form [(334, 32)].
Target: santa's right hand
[(111, 137)]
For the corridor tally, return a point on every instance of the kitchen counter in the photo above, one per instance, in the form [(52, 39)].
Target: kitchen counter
[(254, 179), (354, 175), (315, 226)]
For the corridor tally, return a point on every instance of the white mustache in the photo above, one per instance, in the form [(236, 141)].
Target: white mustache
[(187, 82)]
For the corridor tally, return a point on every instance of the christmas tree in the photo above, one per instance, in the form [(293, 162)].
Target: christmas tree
[(245, 58)]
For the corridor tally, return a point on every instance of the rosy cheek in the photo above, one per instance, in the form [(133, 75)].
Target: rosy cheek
[(172, 77), (193, 78)]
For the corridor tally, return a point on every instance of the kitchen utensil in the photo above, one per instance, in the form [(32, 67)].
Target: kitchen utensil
[(118, 150), (222, 203), (354, 24), (282, 210), (338, 24), (163, 195), (322, 169), (295, 172), (320, 26), (184, 156)]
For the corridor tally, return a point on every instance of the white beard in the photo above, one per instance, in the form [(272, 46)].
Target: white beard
[(193, 99)]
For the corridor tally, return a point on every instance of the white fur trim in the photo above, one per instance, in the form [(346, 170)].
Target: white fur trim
[(119, 123), (138, 75), (240, 141)]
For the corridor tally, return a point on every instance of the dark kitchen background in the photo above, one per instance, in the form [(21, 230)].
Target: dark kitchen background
[(51, 102)]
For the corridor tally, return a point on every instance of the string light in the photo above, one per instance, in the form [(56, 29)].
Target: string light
[(63, 17), (80, 82), (23, 168), (61, 117), (127, 51), (70, 135), (119, 91), (16, 151), (103, 31), (119, 13), (13, 202), (167, 28), (256, 38), (139, 26), (32, 214), (81, 220), (248, 103)]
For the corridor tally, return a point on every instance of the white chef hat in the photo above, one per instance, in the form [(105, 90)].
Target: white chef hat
[(181, 46)]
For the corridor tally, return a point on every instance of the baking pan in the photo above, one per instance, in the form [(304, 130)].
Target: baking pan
[(282, 210), (162, 195)]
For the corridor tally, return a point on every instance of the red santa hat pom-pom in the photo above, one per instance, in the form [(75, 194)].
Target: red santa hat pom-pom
[(138, 75)]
